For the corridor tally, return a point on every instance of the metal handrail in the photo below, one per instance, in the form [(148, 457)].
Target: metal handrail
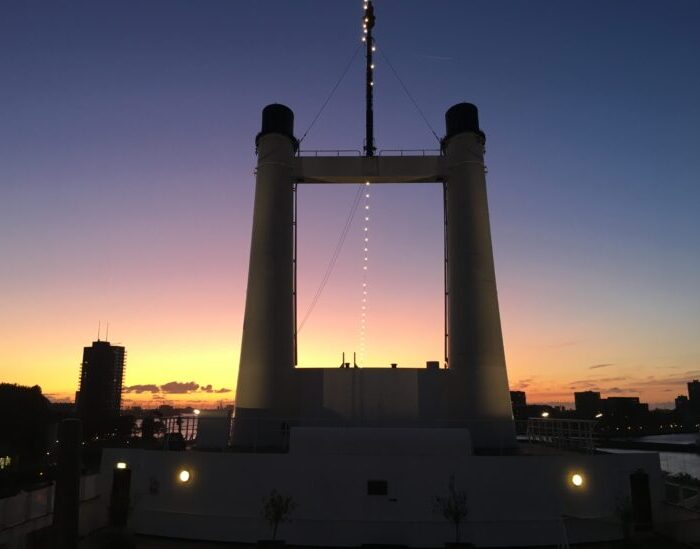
[(562, 433), (330, 152), (357, 152), (402, 152)]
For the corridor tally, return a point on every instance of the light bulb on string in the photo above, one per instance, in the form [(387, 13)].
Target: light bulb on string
[(364, 300)]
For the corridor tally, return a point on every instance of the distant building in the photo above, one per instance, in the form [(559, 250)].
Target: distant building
[(625, 408), (694, 392), (98, 400), (588, 403), (518, 399), (166, 410), (681, 403)]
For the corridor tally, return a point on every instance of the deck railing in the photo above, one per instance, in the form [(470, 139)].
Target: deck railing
[(575, 434)]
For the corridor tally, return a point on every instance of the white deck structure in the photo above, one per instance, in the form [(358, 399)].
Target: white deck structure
[(512, 500)]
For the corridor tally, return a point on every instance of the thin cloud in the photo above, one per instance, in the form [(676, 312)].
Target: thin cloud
[(656, 382), (179, 388), (618, 390), (585, 382), (210, 389), (604, 365), (175, 388), (148, 388), (522, 384)]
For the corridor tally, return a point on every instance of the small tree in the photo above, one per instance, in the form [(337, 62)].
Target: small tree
[(453, 506), (276, 510)]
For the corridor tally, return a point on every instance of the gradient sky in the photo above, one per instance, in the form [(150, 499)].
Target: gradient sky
[(126, 183)]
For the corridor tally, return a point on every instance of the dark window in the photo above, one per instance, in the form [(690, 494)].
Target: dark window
[(377, 488)]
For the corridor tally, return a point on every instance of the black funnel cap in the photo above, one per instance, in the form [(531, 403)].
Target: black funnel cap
[(460, 118), (277, 118)]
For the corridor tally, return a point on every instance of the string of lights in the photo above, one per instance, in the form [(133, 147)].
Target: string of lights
[(365, 268), (367, 26)]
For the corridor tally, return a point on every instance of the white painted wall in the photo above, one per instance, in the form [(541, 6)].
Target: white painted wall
[(376, 394), (513, 500)]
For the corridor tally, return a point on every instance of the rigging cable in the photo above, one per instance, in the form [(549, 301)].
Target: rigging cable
[(334, 257), (330, 95), (408, 93)]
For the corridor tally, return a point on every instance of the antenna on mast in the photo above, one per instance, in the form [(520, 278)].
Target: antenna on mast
[(367, 26), (98, 329)]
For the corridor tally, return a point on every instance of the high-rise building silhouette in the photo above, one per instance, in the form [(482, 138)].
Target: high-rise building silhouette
[(588, 403), (694, 396), (518, 399), (681, 403), (99, 396), (694, 391)]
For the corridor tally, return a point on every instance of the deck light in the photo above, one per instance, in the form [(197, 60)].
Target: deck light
[(184, 476), (121, 465), (577, 480)]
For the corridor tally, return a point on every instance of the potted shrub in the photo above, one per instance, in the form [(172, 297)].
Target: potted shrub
[(453, 507), (276, 509)]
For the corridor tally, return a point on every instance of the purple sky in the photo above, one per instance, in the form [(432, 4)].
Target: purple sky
[(126, 182)]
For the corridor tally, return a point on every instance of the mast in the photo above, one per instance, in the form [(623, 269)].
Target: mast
[(368, 25)]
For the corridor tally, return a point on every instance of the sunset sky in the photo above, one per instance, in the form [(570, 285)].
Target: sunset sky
[(126, 185)]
